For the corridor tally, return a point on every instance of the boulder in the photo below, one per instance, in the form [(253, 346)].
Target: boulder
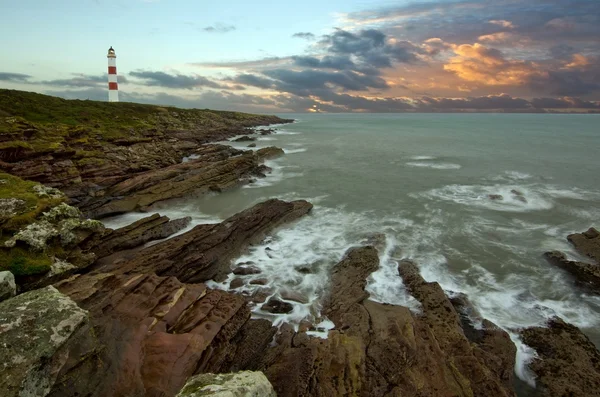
[(236, 283), (34, 329), (567, 362), (8, 288), (259, 281), (252, 145), (495, 197), (276, 306), (241, 384), (244, 138), (269, 152), (246, 270), (293, 296), (587, 243)]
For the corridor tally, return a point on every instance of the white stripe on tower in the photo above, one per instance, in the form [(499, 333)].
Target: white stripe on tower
[(113, 85)]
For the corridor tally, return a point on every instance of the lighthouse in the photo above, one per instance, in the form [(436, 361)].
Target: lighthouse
[(113, 86)]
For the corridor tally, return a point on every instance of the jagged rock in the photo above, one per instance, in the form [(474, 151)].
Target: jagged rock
[(587, 243), (217, 168), (568, 363), (241, 384), (496, 197), (244, 138), (586, 274), (156, 330), (8, 288), (34, 329), (204, 252), (154, 227), (276, 306), (246, 270)]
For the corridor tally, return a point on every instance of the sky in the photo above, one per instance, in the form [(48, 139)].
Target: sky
[(312, 55)]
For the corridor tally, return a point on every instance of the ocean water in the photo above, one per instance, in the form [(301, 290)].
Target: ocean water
[(419, 185)]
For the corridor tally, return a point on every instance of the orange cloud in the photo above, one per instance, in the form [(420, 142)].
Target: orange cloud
[(500, 37), (578, 61), (480, 64)]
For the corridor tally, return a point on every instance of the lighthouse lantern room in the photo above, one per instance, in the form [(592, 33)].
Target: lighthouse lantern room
[(113, 85)]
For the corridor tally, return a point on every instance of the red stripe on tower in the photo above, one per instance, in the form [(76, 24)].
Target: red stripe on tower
[(113, 86)]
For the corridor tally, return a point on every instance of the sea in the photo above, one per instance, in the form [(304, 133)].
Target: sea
[(421, 186)]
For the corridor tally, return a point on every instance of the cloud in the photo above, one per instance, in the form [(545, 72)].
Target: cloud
[(162, 79), (14, 77), (82, 81), (502, 23), (245, 65), (219, 28), (304, 35), (488, 66)]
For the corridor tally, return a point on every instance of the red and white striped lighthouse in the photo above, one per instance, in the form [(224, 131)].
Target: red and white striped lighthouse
[(113, 85)]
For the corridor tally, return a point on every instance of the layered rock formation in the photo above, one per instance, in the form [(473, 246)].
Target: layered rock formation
[(242, 384)]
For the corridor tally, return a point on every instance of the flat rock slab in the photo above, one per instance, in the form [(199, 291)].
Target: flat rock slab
[(241, 384), (33, 327)]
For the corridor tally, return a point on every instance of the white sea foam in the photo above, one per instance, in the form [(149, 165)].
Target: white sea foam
[(436, 166), (419, 158), (277, 174), (292, 151)]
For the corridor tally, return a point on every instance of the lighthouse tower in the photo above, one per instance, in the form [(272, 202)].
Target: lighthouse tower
[(113, 86)]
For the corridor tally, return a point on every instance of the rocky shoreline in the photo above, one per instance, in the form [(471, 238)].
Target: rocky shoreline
[(87, 310)]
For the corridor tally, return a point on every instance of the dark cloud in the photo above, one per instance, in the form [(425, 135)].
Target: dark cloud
[(478, 103), (219, 28), (162, 79), (14, 77), (304, 35), (82, 81), (303, 82), (338, 62)]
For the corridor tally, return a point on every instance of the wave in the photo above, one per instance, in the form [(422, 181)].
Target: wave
[(437, 166)]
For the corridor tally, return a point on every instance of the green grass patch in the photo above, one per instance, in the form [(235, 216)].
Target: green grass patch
[(21, 262)]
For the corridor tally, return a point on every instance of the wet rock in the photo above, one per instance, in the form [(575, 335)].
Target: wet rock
[(276, 306), (246, 270), (205, 252), (244, 138), (259, 281), (252, 145), (495, 197), (34, 329), (377, 240), (261, 295), (587, 243), (267, 131), (241, 384), (269, 152), (293, 296), (568, 363), (586, 274), (304, 269), (236, 283), (8, 288), (516, 192)]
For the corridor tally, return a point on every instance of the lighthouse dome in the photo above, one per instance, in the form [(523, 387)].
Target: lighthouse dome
[(111, 53)]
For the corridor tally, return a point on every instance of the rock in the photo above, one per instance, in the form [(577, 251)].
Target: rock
[(293, 296), (236, 283), (246, 270), (10, 207), (276, 306), (516, 192), (244, 138), (497, 197), (304, 269), (568, 363), (241, 384), (377, 240), (269, 153), (205, 252), (587, 275), (8, 288), (259, 281), (252, 145), (34, 328), (154, 227), (587, 243)]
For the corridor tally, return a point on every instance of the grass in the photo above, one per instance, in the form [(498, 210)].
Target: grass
[(22, 262)]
